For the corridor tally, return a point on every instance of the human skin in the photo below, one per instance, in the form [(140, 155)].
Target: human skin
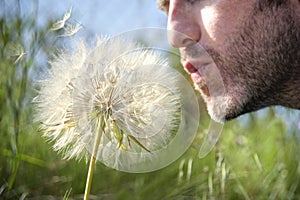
[(255, 46)]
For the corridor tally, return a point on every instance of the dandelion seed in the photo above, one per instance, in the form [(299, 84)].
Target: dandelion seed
[(21, 56), (15, 50), (71, 29), (61, 23)]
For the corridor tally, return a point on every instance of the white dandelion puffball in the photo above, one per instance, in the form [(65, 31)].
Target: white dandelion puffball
[(126, 93)]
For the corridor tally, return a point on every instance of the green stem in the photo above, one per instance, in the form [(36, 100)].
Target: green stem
[(93, 159)]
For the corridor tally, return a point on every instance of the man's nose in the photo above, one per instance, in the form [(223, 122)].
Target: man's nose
[(183, 28)]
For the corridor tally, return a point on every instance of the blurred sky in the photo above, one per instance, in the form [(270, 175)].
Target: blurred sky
[(106, 17), (100, 17)]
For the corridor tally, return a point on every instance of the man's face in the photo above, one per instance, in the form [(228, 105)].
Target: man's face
[(250, 43)]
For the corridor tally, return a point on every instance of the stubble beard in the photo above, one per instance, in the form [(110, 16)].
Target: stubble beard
[(259, 61)]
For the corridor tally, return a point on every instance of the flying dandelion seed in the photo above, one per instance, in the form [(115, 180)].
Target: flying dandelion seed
[(15, 50), (71, 29), (61, 23), (123, 93)]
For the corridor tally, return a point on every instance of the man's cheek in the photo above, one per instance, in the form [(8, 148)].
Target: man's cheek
[(209, 17), (216, 27)]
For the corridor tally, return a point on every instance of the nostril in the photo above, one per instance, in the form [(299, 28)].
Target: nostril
[(188, 41), (178, 39)]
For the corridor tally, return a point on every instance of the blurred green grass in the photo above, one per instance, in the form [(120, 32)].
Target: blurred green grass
[(258, 162), (254, 160)]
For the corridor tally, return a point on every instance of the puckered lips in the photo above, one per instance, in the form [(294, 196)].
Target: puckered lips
[(196, 71)]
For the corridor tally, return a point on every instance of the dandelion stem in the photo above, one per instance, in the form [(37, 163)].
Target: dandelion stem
[(93, 161)]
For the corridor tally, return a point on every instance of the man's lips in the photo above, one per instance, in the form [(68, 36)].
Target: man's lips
[(189, 67), (195, 72), (197, 75)]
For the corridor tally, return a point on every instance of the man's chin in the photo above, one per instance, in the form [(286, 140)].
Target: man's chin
[(222, 107), (215, 106)]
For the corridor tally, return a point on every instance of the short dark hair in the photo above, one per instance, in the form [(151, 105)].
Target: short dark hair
[(262, 4)]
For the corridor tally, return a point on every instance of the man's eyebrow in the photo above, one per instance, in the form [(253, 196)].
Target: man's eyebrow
[(163, 5)]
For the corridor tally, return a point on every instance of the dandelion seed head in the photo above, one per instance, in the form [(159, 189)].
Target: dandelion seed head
[(116, 87), (85, 84)]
